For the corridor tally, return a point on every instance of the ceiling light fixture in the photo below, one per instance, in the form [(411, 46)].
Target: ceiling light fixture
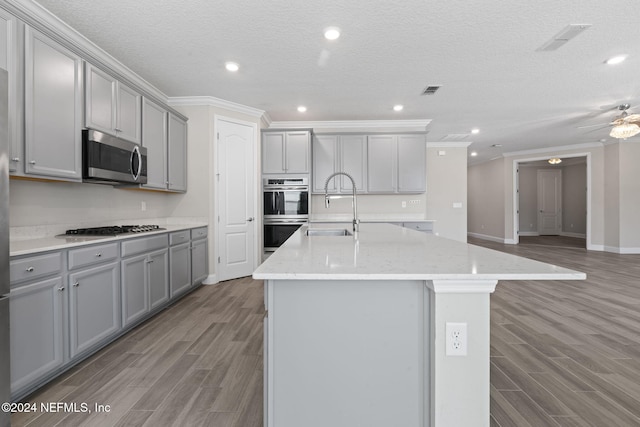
[(474, 131), (624, 130), (398, 107), (474, 153), (231, 66), (555, 161), (615, 60), (331, 33), (302, 109)]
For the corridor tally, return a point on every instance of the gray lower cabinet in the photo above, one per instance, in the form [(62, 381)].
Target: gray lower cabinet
[(180, 259), (199, 256), (53, 109), (37, 331), (94, 306), (144, 284)]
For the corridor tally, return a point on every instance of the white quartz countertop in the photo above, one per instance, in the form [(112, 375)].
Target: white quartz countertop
[(389, 252), (43, 244)]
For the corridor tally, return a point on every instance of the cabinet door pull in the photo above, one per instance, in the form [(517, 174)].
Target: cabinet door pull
[(61, 288), (15, 159), (99, 254), (30, 269), (32, 162), (75, 285)]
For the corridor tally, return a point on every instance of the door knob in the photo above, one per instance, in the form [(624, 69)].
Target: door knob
[(250, 219)]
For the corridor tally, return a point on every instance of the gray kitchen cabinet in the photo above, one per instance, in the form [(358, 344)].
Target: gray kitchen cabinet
[(111, 106), (144, 275), (180, 268), (37, 331), (53, 109), (339, 153), (382, 164), (12, 61), (412, 164), (94, 306), (154, 138), (286, 152), (396, 164), (199, 255), (177, 154)]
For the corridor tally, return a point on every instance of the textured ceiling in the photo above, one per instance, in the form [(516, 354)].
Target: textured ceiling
[(482, 52)]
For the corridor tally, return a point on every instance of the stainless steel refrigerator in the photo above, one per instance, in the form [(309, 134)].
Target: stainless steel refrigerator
[(5, 383)]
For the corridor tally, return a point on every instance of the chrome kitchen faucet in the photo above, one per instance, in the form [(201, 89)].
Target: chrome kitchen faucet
[(327, 197)]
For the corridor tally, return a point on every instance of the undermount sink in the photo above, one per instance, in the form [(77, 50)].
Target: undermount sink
[(328, 232)]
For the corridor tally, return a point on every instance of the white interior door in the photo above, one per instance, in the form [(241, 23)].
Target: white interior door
[(549, 202), (236, 201)]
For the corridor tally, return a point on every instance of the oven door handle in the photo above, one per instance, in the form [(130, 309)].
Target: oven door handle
[(286, 188), (284, 221)]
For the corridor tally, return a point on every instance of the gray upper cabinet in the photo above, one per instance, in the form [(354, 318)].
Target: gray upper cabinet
[(11, 60), (339, 153), (177, 157), (412, 164), (286, 152), (154, 138), (111, 106), (382, 163), (53, 108)]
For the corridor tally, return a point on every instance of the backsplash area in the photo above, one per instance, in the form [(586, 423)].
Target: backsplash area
[(38, 209)]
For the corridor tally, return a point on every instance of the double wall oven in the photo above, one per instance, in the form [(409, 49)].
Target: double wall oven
[(285, 209)]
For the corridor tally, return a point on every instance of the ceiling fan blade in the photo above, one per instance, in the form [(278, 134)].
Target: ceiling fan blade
[(591, 126)]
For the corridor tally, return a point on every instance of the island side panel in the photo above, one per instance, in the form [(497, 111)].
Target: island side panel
[(346, 353), (460, 385)]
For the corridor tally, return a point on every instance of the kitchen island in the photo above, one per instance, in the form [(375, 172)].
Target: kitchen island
[(363, 329)]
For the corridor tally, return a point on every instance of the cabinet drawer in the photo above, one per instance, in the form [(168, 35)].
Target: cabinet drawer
[(34, 267), (148, 244), (179, 237), (92, 255), (199, 233), (427, 227)]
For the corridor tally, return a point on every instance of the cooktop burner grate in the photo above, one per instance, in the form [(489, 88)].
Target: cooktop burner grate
[(112, 231)]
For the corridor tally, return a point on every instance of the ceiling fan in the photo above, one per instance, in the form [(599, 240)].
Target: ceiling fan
[(625, 126)]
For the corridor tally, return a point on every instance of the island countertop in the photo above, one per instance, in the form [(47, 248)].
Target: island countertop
[(389, 252)]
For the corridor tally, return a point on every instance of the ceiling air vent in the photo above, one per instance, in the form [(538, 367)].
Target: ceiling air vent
[(560, 39), (455, 137), (430, 90)]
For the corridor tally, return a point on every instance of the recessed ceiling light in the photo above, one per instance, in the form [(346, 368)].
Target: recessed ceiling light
[(331, 33), (398, 107), (302, 108), (231, 66), (475, 131), (474, 153), (616, 60)]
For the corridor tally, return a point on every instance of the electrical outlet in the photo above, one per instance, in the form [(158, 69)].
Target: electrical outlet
[(404, 203), (143, 206), (456, 339)]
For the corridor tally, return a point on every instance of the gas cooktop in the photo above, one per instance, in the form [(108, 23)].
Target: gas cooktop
[(110, 231)]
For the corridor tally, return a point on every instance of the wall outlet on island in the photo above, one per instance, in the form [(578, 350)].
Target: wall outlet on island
[(456, 339)]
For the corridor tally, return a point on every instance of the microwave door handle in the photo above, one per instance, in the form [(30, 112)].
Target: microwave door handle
[(135, 155)]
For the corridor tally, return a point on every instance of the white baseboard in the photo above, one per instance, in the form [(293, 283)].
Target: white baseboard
[(622, 251), (210, 280), (528, 233), (486, 237), (569, 234)]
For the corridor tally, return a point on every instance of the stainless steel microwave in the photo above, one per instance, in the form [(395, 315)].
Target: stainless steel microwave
[(110, 160)]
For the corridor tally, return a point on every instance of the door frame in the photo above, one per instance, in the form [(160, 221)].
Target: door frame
[(516, 198), (215, 208)]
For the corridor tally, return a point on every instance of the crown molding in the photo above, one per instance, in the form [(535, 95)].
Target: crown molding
[(36, 16), (355, 125), (212, 101), (445, 144), (554, 149)]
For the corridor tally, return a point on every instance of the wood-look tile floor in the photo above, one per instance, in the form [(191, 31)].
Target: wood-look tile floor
[(563, 353)]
